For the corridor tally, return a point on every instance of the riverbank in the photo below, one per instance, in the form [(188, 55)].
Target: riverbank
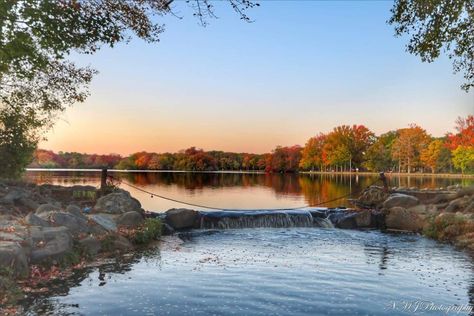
[(361, 173), (47, 231)]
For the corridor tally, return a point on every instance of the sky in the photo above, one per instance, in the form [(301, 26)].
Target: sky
[(300, 68)]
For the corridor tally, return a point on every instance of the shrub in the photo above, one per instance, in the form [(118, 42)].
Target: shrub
[(149, 231)]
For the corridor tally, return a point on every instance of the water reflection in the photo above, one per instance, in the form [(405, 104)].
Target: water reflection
[(240, 190)]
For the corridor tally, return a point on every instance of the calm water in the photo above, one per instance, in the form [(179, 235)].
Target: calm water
[(298, 271), (239, 191)]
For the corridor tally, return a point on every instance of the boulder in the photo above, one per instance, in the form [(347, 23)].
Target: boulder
[(373, 196), (104, 221), (28, 203), (399, 218), (117, 203), (364, 219), (347, 222), (122, 244), (76, 225), (457, 204), (400, 200), (12, 196), (130, 219), (181, 218), (50, 243), (166, 230), (76, 211), (35, 220), (47, 208), (13, 256), (91, 245)]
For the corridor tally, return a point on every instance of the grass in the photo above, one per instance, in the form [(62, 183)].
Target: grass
[(448, 227), (149, 231)]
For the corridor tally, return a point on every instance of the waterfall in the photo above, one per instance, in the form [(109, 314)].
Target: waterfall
[(263, 218)]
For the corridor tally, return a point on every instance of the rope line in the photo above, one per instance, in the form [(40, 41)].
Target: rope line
[(228, 209)]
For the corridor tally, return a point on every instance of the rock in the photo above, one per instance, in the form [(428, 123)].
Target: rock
[(12, 196), (364, 219), (76, 211), (117, 203), (130, 219), (104, 221), (28, 203), (76, 225), (122, 244), (347, 222), (469, 208), (401, 200), (373, 196), (35, 220), (91, 245), (400, 218), (50, 243), (166, 230), (47, 208), (457, 204), (181, 218), (13, 256)]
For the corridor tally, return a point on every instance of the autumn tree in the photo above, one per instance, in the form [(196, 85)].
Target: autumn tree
[(432, 154), (408, 146), (312, 154), (464, 135), (346, 146), (436, 27), (463, 158)]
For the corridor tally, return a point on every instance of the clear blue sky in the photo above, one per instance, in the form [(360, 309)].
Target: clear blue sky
[(300, 68)]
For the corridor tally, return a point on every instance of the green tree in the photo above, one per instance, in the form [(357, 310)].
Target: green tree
[(378, 157), (463, 158), (437, 26), (312, 155)]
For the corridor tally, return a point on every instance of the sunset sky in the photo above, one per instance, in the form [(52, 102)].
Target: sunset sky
[(301, 68)]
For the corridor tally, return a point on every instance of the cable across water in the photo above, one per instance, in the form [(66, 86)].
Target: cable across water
[(152, 194)]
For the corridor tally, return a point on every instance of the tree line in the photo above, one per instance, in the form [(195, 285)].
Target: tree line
[(344, 148)]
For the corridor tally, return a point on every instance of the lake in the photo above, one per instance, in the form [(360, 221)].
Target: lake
[(264, 271), (239, 190)]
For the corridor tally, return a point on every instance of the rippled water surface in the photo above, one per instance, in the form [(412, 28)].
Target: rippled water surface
[(297, 271)]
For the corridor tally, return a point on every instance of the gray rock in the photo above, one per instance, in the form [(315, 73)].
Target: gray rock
[(167, 230), (35, 220), (28, 203), (399, 218), (457, 204), (104, 221), (50, 243), (181, 218), (76, 225), (130, 219), (347, 222), (117, 203), (91, 245), (12, 196), (47, 208), (76, 211), (401, 200), (13, 256), (122, 244), (364, 219)]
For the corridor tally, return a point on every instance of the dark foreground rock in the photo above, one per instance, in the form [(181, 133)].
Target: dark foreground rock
[(182, 218)]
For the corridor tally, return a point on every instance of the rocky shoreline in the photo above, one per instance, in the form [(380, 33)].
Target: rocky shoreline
[(47, 230)]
